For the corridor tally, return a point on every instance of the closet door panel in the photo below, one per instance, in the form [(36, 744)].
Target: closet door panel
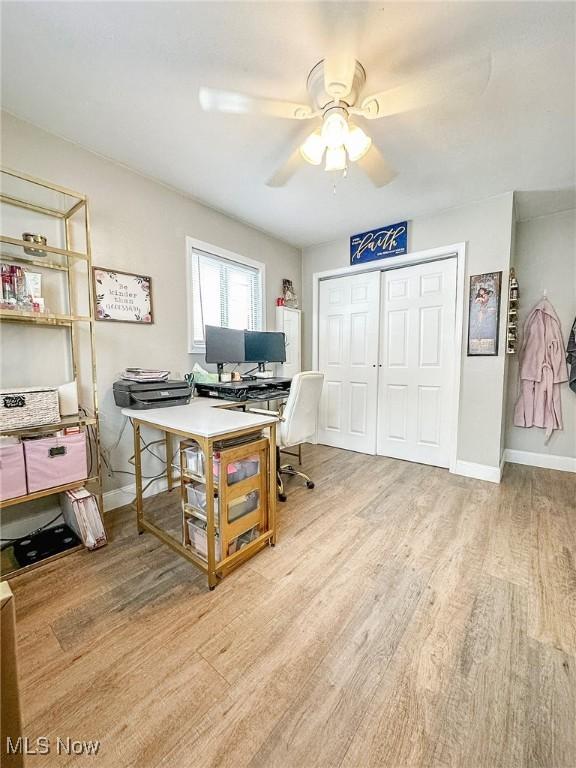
[(348, 357), (396, 421), (417, 357)]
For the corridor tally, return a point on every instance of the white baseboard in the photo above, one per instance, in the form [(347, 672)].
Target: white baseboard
[(479, 471), (126, 495), (543, 460)]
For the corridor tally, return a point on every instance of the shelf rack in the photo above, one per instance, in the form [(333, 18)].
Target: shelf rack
[(512, 317), (40, 318), (227, 526), (37, 196)]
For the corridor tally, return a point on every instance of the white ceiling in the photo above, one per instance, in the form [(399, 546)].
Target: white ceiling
[(122, 79)]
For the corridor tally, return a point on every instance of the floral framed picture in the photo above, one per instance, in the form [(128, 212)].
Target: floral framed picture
[(484, 314), (122, 297)]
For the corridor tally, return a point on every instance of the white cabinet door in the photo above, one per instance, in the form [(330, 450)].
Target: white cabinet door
[(348, 357), (416, 362), (288, 321)]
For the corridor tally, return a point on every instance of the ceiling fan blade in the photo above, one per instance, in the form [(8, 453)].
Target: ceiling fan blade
[(450, 81), (285, 172), (212, 100), (376, 168), (339, 68)]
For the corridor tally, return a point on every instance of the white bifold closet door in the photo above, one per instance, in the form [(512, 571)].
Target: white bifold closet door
[(416, 361), (348, 357)]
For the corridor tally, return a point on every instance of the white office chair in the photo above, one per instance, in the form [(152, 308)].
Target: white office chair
[(298, 421)]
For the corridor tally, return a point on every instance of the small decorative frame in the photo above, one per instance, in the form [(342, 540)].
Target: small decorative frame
[(122, 297), (484, 314)]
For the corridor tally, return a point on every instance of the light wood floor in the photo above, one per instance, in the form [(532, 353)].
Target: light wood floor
[(407, 617)]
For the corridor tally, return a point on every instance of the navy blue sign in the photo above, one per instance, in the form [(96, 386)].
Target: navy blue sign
[(379, 243)]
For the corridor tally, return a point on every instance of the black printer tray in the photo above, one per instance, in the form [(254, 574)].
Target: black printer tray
[(142, 400)]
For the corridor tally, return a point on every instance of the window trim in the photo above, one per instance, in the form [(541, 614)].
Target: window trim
[(213, 250)]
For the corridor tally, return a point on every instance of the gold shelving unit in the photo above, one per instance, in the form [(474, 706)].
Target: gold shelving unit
[(71, 209)]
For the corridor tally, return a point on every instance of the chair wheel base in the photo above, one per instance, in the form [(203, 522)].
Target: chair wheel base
[(282, 497), (309, 484)]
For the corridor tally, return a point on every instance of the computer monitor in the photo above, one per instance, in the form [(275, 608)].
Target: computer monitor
[(224, 345), (264, 347)]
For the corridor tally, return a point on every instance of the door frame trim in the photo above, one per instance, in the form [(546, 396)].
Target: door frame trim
[(458, 251)]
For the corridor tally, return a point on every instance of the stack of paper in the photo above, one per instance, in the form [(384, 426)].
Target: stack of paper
[(82, 515), (144, 374)]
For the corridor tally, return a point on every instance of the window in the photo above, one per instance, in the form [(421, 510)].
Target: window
[(224, 289)]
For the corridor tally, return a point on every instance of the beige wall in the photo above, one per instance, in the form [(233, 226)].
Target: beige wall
[(138, 225), (545, 258), (486, 227)]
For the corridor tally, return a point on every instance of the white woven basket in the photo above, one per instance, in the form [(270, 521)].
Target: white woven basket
[(28, 407)]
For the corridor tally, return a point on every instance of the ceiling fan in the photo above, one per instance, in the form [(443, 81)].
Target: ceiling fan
[(335, 87)]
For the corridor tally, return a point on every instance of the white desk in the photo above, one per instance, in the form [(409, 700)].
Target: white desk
[(203, 416), (204, 421)]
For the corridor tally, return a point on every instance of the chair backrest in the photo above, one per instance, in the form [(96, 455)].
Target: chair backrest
[(301, 411)]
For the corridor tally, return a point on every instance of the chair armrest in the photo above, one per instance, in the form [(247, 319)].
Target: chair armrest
[(265, 412)]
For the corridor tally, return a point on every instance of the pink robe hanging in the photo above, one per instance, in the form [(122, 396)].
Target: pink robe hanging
[(542, 370)]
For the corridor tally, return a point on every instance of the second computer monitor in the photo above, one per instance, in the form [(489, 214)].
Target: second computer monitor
[(264, 347)]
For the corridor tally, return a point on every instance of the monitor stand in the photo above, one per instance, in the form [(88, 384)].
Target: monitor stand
[(223, 377), (262, 373)]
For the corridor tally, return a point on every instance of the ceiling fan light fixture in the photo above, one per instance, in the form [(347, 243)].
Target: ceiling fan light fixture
[(312, 150), (335, 127), (335, 159), (357, 143)]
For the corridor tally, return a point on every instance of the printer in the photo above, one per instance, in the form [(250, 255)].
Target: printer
[(151, 394)]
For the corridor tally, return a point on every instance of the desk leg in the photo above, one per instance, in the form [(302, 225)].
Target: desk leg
[(138, 468), (169, 454), (272, 485)]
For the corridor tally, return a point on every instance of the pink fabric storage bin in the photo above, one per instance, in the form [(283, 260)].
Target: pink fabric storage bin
[(53, 461), (12, 471)]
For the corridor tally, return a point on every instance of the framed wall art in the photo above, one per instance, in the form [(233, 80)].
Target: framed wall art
[(484, 314), (122, 296)]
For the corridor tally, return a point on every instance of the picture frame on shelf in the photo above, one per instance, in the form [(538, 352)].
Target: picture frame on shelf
[(484, 314), (122, 297)]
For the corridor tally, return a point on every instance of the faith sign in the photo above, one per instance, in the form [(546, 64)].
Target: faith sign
[(381, 243)]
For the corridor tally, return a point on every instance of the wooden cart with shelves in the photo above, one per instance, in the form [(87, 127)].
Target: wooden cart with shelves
[(239, 505), (222, 437)]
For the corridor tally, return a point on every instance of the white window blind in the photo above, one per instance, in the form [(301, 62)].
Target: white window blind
[(224, 292)]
